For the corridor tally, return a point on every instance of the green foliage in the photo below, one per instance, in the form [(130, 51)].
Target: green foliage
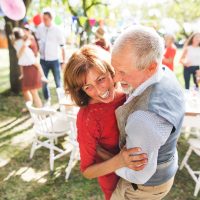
[(184, 10)]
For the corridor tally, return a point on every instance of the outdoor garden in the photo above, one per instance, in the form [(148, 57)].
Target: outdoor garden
[(22, 178)]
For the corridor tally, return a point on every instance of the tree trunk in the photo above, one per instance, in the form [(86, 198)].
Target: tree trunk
[(14, 68)]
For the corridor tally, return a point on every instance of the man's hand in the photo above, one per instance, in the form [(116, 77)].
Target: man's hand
[(132, 158)]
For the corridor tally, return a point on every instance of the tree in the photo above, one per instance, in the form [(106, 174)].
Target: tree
[(184, 11), (14, 68), (83, 9)]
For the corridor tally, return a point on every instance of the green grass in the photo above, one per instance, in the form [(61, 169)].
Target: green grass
[(24, 179)]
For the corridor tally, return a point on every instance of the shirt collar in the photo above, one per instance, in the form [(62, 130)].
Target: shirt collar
[(152, 80)]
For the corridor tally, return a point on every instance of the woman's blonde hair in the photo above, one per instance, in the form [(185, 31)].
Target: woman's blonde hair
[(79, 64)]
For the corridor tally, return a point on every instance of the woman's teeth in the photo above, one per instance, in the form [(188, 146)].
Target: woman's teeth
[(105, 95)]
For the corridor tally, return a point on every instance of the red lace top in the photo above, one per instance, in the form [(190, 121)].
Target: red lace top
[(97, 125)]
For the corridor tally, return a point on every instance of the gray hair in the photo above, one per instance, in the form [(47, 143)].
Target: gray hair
[(144, 43)]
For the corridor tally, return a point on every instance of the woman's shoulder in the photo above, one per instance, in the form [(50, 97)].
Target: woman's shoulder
[(85, 113), (87, 123)]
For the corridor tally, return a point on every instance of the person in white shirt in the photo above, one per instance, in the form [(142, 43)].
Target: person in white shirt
[(50, 39), (190, 59), (152, 115)]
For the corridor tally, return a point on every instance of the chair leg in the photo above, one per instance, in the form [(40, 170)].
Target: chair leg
[(51, 158), (33, 148), (197, 187), (185, 159), (72, 162)]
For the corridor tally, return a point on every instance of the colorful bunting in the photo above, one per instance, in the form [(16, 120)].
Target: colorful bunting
[(92, 22), (82, 20), (74, 18)]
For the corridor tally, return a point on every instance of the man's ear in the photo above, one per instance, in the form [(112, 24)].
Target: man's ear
[(152, 68)]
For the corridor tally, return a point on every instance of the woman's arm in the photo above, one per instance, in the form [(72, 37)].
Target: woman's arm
[(124, 158), (88, 138), (104, 154), (183, 60)]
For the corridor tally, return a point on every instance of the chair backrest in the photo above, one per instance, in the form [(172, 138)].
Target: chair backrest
[(43, 118), (61, 97), (71, 119), (65, 102)]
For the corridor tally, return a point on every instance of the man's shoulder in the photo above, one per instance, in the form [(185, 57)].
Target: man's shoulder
[(168, 82), (40, 27)]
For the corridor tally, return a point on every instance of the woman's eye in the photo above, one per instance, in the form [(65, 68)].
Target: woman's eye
[(101, 79), (88, 88)]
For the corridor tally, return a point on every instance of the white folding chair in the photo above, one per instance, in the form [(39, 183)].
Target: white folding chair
[(194, 147), (51, 125)]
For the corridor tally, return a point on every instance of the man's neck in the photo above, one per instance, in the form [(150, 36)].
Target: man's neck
[(48, 26)]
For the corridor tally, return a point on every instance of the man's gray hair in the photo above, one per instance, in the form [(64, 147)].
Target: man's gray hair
[(144, 43)]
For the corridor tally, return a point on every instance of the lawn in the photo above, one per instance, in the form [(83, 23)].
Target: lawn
[(24, 179)]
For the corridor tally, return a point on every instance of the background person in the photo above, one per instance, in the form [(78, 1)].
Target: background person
[(101, 39), (190, 59), (30, 74), (50, 39), (170, 51)]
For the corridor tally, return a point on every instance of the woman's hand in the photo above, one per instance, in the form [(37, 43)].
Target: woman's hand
[(133, 159)]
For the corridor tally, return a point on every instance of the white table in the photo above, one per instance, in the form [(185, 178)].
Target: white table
[(192, 101)]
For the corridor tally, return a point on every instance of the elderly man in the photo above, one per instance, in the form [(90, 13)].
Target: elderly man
[(151, 118), (50, 39)]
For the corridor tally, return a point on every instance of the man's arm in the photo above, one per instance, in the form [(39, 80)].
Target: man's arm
[(148, 131), (63, 51), (61, 41), (183, 57)]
